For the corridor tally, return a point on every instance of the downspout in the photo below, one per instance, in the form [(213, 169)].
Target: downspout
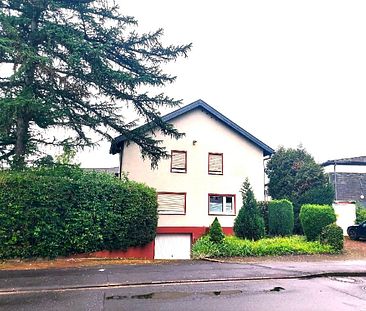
[(120, 160), (335, 181), (266, 158)]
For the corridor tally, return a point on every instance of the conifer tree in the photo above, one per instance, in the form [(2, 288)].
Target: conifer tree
[(74, 65), (216, 234), (249, 224)]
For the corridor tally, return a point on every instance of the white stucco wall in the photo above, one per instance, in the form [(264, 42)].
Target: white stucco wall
[(241, 159), (346, 214), (345, 169)]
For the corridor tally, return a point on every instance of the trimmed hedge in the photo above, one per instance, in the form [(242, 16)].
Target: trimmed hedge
[(360, 213), (62, 210), (333, 236), (314, 218), (280, 217), (263, 210)]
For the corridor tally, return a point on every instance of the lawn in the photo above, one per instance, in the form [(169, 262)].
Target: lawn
[(236, 247)]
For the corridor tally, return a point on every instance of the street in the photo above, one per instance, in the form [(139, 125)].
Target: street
[(189, 286)]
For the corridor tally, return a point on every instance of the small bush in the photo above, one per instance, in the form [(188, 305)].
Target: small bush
[(216, 235), (233, 246), (333, 236), (314, 218), (280, 217), (62, 210), (360, 213), (249, 224), (263, 210)]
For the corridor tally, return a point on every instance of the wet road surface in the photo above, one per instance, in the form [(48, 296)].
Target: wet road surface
[(326, 293)]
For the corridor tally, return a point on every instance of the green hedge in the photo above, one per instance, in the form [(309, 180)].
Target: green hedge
[(360, 213), (280, 217), (333, 236), (314, 218), (58, 211), (263, 210)]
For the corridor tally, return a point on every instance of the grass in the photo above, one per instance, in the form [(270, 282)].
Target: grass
[(236, 247)]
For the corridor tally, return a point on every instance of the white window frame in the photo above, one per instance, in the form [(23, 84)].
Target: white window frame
[(223, 210)]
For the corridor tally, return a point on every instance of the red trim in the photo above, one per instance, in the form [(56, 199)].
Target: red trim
[(147, 251), (221, 195), (196, 232), (185, 161), (143, 252), (185, 200), (222, 163)]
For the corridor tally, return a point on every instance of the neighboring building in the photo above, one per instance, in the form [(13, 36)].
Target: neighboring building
[(202, 178), (111, 170), (348, 177)]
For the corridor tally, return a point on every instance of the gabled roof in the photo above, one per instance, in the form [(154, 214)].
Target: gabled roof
[(347, 161), (200, 104)]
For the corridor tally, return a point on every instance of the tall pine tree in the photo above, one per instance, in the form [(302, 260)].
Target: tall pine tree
[(249, 223), (74, 65)]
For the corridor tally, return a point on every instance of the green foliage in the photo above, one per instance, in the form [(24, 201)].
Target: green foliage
[(280, 217), (263, 210), (236, 247), (76, 65), (249, 223), (294, 175), (62, 210), (333, 236), (314, 218), (216, 235), (360, 213)]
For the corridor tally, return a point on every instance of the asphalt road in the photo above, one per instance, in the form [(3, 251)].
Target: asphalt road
[(329, 293), (189, 285)]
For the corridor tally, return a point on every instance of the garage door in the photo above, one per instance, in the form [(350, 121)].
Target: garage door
[(173, 246)]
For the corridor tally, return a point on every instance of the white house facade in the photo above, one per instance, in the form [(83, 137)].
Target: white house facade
[(202, 178)]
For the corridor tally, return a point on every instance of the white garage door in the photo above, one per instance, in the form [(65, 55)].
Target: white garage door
[(172, 246)]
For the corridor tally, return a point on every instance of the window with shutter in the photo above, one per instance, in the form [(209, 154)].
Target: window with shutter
[(178, 162), (215, 163), (221, 204), (172, 203)]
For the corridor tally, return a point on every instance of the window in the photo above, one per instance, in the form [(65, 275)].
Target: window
[(221, 204), (178, 162), (172, 203), (215, 164)]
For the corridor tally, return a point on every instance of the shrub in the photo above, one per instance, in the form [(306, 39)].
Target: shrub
[(360, 213), (215, 233), (249, 224), (62, 210), (263, 210), (314, 218), (333, 236), (235, 247), (280, 217)]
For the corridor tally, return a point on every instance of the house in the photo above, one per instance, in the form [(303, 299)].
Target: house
[(348, 177), (202, 178)]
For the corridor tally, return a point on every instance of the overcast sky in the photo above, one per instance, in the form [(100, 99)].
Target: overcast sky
[(289, 72)]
